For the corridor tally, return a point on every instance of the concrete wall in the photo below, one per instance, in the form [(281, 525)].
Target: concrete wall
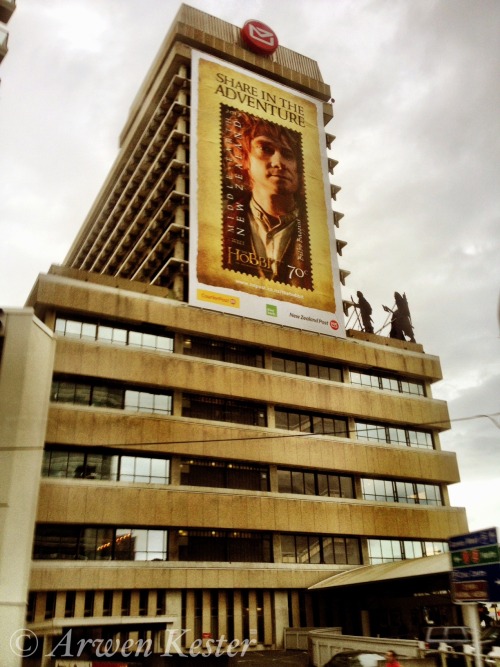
[(25, 375)]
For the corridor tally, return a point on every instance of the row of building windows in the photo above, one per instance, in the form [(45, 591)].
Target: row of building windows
[(110, 396), (315, 483), (54, 542), (306, 367), (231, 475), (214, 408), (388, 551), (103, 466), (393, 435), (324, 549), (387, 383), (382, 490), (311, 422), (224, 475), (234, 353), (219, 350), (104, 333)]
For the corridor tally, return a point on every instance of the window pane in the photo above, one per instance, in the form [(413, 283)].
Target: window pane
[(76, 466), (125, 543), (328, 555), (89, 331), (60, 326), (146, 402), (339, 550), (278, 364), (100, 396), (157, 545), (322, 484), (99, 466), (412, 549), (148, 340), (135, 338), (281, 419), (341, 428), (81, 394), (142, 467), (309, 486), (288, 549), (318, 424), (346, 487), (163, 404), (352, 548), (165, 344), (301, 368), (297, 482), (120, 336), (105, 334), (293, 421), (284, 481), (73, 328), (305, 423), (127, 468), (302, 546), (131, 399), (314, 550), (355, 377), (159, 470), (58, 464)]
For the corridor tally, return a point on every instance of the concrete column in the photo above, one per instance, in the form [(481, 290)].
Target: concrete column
[(173, 632), (99, 603), (268, 619), (25, 381), (60, 605), (116, 609), (134, 603), (238, 616), (41, 601), (190, 604), (280, 617), (222, 613), (206, 625), (79, 604), (252, 618)]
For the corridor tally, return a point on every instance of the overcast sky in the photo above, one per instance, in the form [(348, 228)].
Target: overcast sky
[(417, 127)]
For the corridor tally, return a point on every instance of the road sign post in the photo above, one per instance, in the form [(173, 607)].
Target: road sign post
[(475, 576)]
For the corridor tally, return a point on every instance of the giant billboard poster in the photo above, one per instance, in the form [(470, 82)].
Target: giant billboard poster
[(262, 239)]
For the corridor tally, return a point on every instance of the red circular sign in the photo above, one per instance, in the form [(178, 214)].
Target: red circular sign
[(259, 37), (334, 324)]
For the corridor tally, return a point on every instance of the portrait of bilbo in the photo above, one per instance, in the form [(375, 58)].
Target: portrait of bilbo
[(265, 228)]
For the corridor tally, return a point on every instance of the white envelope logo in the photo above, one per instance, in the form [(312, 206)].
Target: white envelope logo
[(262, 35)]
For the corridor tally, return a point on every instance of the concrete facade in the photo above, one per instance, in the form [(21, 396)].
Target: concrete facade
[(222, 542)]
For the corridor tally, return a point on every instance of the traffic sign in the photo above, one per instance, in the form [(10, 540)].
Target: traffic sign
[(475, 559), (480, 538), (476, 556), (479, 584)]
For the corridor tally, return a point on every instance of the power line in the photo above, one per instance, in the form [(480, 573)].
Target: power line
[(270, 436)]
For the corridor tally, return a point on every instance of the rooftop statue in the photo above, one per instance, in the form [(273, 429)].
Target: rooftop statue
[(365, 310), (401, 325)]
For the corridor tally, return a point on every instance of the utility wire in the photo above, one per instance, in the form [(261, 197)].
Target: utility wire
[(270, 436)]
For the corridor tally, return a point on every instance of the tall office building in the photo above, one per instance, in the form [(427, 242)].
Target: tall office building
[(217, 442)]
